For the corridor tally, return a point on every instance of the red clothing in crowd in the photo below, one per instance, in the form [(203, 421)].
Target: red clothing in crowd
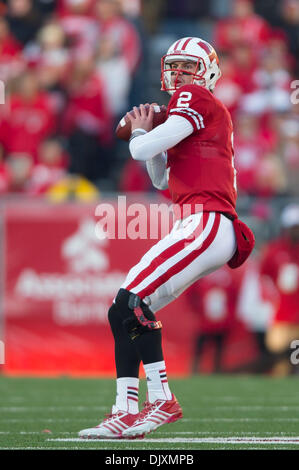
[(229, 92), (43, 177), (27, 123), (64, 7), (11, 61), (280, 262), (9, 47), (87, 110), (244, 68), (81, 30), (124, 34), (249, 154), (250, 150), (214, 300), (4, 179), (134, 178), (252, 29)]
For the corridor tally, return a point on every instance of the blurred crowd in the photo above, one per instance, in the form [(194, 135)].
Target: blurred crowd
[(72, 68), (67, 66), (263, 297)]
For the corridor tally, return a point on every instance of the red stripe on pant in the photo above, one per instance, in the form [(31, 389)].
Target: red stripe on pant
[(183, 263), (169, 252)]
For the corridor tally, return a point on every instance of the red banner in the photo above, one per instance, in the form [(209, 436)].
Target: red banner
[(60, 280)]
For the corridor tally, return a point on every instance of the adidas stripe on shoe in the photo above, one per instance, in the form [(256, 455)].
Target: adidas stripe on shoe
[(153, 416), (112, 427)]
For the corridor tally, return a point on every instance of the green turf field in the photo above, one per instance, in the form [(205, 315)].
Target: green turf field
[(220, 412)]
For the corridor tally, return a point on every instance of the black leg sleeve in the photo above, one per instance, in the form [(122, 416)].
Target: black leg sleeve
[(127, 358), (149, 346)]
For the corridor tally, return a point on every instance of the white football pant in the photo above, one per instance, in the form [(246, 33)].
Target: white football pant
[(196, 246)]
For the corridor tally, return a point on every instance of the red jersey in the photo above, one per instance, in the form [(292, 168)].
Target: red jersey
[(281, 263), (202, 165)]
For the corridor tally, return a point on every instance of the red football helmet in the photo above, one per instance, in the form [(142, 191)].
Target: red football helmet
[(196, 50)]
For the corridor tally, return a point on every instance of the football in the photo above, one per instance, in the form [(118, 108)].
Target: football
[(123, 129)]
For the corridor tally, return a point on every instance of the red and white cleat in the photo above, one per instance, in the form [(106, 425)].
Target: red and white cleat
[(112, 427), (153, 416)]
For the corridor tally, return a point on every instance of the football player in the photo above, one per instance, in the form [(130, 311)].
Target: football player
[(191, 153)]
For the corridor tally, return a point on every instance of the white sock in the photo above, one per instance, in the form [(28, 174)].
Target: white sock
[(157, 383), (127, 394)]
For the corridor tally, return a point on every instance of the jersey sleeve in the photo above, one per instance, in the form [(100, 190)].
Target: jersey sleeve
[(193, 103)]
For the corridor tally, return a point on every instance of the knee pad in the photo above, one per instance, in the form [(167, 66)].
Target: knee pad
[(137, 317)]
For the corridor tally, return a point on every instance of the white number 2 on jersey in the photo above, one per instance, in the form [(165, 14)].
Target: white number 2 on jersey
[(184, 98)]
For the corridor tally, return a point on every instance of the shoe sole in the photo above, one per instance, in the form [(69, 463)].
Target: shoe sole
[(169, 420)]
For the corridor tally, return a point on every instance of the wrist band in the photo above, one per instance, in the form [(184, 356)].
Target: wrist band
[(136, 133)]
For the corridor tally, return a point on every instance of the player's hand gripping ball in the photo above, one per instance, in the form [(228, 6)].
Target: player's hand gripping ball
[(123, 129)]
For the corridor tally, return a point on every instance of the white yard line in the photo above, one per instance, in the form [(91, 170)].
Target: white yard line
[(196, 440), (239, 420), (193, 433), (186, 420), (255, 408), (15, 409), (36, 432)]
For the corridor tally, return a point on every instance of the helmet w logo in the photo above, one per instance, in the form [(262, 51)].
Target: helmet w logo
[(209, 50)]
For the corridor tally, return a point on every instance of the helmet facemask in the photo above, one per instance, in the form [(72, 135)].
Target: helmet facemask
[(167, 72)]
